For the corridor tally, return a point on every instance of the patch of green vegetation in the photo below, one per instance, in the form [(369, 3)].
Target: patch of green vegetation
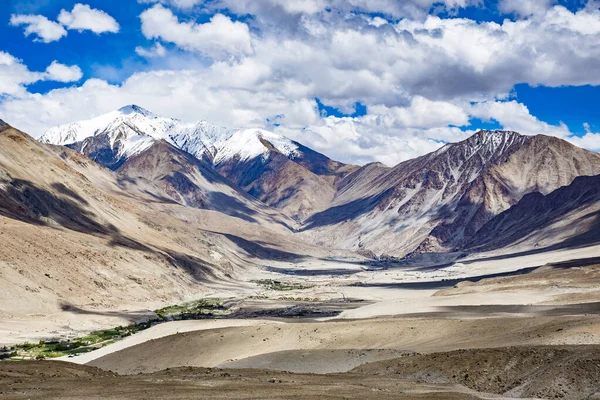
[(271, 284), (200, 309)]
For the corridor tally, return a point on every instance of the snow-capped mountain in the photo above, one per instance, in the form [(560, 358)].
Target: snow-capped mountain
[(276, 170), (438, 202), (113, 137)]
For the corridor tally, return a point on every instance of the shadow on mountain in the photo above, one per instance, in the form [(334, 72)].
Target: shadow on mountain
[(193, 266), (23, 201), (118, 240), (348, 211), (586, 239), (123, 181), (259, 250), (231, 206), (62, 189), (536, 212)]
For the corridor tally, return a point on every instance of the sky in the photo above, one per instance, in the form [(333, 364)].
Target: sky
[(358, 80)]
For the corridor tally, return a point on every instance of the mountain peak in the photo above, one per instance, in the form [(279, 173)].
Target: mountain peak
[(494, 142), (2, 123), (497, 132), (496, 135), (135, 109)]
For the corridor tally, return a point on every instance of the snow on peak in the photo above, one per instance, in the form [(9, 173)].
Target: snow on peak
[(247, 144), (120, 125), (133, 129), (494, 142), (132, 108)]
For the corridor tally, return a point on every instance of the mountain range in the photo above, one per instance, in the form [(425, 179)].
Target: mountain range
[(439, 202), (133, 208)]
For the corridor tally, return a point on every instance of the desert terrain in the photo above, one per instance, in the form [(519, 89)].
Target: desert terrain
[(164, 279), (528, 333)]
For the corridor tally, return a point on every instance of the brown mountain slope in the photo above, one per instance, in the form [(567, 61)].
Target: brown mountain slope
[(194, 183), (566, 217), (299, 186), (77, 238), (439, 201)]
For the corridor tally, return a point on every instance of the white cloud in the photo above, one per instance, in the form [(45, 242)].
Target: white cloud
[(363, 140), (515, 116), (46, 31), (525, 8), (63, 73), (422, 113), (419, 78), (157, 50), (275, 9), (15, 76), (183, 4), (218, 38), (590, 141), (83, 17)]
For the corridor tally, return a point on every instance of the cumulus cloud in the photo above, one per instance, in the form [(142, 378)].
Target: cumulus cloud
[(524, 8), (420, 78), (422, 113), (63, 73), (591, 140), (218, 38), (83, 17), (15, 76), (274, 8), (183, 4), (158, 50), (45, 30)]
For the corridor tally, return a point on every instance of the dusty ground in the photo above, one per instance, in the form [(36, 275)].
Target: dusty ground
[(54, 380), (529, 333), (211, 348), (569, 372)]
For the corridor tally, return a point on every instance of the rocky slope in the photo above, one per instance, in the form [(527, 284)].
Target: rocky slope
[(299, 186), (280, 172), (77, 236), (437, 202), (434, 203), (191, 182), (568, 216)]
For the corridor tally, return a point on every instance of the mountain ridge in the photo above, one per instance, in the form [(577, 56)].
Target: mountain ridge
[(247, 157), (433, 203), (436, 202)]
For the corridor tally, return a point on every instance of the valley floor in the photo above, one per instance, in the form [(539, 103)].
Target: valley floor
[(496, 327)]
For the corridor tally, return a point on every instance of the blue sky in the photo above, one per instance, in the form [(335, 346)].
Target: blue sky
[(356, 80)]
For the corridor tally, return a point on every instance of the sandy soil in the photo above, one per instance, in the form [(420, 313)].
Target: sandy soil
[(315, 361), (569, 372), (54, 381), (210, 348)]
